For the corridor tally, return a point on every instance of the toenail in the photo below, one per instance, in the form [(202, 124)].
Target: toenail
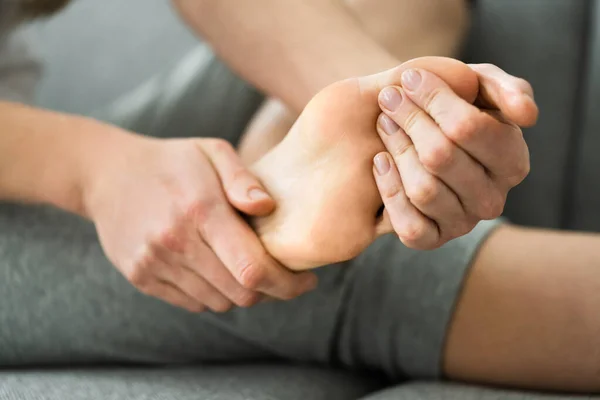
[(388, 125), (411, 79), (382, 164), (390, 98)]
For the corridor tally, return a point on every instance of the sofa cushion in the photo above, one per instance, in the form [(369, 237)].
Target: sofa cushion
[(247, 382)]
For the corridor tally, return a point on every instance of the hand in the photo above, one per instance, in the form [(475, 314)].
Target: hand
[(455, 161), (165, 211)]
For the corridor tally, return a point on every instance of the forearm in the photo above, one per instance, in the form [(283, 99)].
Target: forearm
[(292, 49), (46, 157), (401, 27), (530, 313)]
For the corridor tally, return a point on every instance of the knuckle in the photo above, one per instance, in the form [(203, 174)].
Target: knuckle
[(461, 228), (138, 278), (195, 307), (251, 274), (246, 298), (400, 149), (290, 293), (222, 306), (486, 67), (523, 85), (391, 190), (431, 97), (220, 145), (170, 240), (412, 119), (438, 157), (464, 128), (490, 207), (423, 193), (199, 210), (522, 170), (413, 232), (140, 272)]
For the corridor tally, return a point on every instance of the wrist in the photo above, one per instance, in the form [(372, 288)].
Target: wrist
[(76, 164), (104, 153)]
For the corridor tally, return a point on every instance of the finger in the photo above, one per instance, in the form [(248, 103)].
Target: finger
[(174, 296), (204, 262), (426, 192), (487, 136), (172, 270), (243, 190), (436, 152), (510, 163), (511, 95), (240, 250), (433, 198), (494, 144), (187, 250), (413, 228)]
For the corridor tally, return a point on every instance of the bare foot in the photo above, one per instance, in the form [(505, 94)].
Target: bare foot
[(320, 174)]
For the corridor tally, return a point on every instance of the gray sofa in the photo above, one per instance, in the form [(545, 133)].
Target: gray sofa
[(552, 43)]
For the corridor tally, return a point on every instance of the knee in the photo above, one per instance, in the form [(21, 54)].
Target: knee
[(435, 27)]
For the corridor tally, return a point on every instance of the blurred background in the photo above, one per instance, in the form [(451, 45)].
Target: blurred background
[(119, 44)]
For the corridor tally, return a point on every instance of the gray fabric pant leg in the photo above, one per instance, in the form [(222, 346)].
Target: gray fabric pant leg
[(63, 303), (200, 97)]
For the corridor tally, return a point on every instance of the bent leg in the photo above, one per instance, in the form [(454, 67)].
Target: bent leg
[(399, 305), (529, 314)]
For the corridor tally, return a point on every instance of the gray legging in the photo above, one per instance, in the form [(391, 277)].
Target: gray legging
[(63, 303)]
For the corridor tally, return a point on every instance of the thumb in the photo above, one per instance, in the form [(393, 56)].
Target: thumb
[(512, 96), (243, 190)]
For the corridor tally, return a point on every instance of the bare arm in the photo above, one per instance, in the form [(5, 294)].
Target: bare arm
[(292, 49), (530, 313), (45, 156)]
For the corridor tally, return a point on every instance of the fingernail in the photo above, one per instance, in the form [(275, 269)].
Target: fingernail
[(382, 164), (411, 79), (388, 125), (390, 98), (257, 194)]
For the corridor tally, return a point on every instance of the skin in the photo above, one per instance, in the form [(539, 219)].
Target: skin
[(331, 146)]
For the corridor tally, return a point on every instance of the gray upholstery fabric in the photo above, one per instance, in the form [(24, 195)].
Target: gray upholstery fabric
[(543, 42), (585, 210), (255, 382)]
